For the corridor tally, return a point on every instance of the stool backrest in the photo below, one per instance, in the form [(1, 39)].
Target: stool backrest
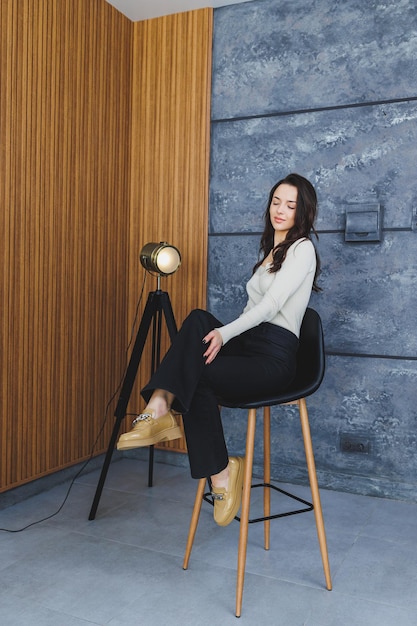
[(310, 356), (309, 372), (310, 362)]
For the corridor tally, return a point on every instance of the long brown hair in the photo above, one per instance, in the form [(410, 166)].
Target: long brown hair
[(303, 228)]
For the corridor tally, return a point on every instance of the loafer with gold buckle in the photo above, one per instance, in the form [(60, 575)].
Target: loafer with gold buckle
[(148, 430), (227, 502)]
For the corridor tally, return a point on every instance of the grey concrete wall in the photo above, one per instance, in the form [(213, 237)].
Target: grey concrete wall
[(327, 88)]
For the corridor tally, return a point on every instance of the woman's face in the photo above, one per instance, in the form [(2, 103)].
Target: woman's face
[(282, 210)]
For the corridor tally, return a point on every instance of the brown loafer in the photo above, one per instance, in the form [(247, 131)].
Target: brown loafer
[(148, 430), (227, 503)]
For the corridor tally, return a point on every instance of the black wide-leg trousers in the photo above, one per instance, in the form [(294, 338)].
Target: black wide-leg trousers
[(258, 362)]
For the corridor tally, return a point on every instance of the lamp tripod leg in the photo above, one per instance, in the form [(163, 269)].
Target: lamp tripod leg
[(158, 302)]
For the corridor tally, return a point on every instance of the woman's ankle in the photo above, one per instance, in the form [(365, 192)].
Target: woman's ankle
[(160, 402), (221, 480), (157, 408)]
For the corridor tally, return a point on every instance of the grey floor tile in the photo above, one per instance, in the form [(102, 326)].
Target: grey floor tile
[(125, 567), (336, 609), (17, 546), (33, 509), (17, 611), (143, 521), (380, 571), (131, 476), (347, 512), (204, 596), (393, 521), (88, 578)]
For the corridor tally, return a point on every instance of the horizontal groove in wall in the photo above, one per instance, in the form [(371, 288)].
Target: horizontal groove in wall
[(372, 356), (336, 107), (319, 232)]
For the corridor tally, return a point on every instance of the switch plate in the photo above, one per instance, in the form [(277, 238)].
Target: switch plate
[(363, 222)]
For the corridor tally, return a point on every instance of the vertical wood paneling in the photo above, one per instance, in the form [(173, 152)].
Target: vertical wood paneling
[(65, 74), (104, 132), (170, 157)]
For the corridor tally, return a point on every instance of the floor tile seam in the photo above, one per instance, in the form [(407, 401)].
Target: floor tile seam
[(145, 494), (34, 602), (12, 563), (110, 509), (109, 489), (129, 497), (250, 572), (209, 564), (283, 579), (59, 613), (368, 517), (399, 542), (335, 569), (136, 464), (354, 598), (133, 498), (164, 552), (47, 525)]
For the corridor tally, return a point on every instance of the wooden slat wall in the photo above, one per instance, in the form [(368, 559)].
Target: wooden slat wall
[(65, 80), (87, 176), (170, 153)]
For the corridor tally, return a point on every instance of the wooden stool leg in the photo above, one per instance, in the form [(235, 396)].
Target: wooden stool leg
[(244, 515), (311, 466), (194, 520), (267, 474)]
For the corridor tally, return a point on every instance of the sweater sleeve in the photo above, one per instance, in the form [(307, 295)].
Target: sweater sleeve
[(297, 269)]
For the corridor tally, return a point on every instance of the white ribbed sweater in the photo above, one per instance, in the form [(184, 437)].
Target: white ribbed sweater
[(281, 297)]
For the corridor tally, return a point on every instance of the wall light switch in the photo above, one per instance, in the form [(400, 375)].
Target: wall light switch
[(363, 222)]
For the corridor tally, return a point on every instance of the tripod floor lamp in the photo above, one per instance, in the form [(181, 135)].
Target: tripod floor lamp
[(160, 259)]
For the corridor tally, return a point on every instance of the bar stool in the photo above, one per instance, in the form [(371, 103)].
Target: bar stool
[(309, 375)]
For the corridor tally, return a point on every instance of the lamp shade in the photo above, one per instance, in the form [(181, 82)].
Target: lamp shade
[(160, 258)]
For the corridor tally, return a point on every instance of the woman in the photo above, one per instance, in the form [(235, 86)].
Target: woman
[(252, 356)]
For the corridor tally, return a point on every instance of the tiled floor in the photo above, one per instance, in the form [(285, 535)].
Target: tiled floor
[(125, 567)]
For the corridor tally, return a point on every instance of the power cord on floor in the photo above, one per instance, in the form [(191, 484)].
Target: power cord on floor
[(106, 412)]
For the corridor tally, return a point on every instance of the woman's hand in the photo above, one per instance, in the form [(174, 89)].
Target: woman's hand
[(215, 342)]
